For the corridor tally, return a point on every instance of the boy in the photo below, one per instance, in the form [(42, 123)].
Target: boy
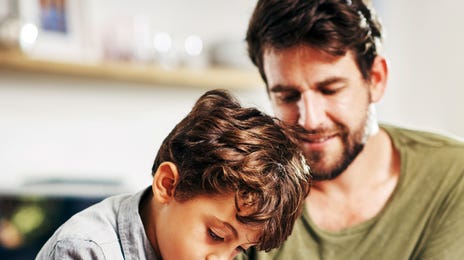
[(226, 178)]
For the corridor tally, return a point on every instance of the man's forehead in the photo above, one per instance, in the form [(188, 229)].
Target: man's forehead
[(300, 64), (303, 50)]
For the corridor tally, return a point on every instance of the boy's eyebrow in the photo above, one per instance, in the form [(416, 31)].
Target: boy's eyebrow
[(229, 226), (233, 230)]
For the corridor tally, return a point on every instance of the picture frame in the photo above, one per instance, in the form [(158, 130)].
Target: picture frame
[(60, 28)]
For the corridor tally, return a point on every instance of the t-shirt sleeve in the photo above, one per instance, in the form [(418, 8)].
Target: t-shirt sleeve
[(447, 239), (71, 249)]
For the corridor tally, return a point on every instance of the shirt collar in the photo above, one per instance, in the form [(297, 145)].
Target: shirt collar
[(134, 241)]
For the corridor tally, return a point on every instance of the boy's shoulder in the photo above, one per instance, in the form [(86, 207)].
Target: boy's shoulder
[(96, 230), (97, 222)]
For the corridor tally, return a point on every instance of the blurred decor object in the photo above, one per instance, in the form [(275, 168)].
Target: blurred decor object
[(10, 30), (14, 32), (117, 39), (77, 186), (129, 40), (166, 50), (52, 29), (230, 53), (194, 54), (31, 213), (144, 51), (53, 16)]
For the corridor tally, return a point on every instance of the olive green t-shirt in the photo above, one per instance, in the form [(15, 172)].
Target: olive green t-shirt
[(423, 219)]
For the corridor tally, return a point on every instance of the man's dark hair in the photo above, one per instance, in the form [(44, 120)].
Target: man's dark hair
[(332, 26)]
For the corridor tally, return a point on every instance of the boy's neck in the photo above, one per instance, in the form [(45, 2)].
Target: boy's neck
[(148, 219)]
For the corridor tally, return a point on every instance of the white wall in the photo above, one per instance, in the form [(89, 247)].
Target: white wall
[(55, 126), (424, 42), (62, 126)]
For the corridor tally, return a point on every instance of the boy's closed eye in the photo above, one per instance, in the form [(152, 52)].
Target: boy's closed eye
[(218, 238), (214, 236)]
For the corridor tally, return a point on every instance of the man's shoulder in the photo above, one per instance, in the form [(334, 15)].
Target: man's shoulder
[(429, 154), (424, 139)]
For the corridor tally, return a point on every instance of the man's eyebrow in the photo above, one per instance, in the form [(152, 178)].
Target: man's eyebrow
[(281, 88), (329, 81), (320, 84)]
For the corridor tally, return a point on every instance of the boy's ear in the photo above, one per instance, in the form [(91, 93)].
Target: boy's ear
[(379, 77), (165, 182)]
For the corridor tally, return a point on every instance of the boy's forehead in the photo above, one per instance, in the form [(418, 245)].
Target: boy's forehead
[(250, 231), (252, 227)]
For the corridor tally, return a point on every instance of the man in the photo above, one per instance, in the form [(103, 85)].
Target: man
[(379, 192)]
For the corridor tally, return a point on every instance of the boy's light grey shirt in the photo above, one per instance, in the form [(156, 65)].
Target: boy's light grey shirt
[(111, 229)]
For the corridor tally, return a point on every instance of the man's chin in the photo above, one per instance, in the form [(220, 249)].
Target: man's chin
[(317, 176), (326, 172), (323, 170)]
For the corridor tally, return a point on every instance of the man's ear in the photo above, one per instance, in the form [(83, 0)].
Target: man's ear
[(379, 77), (165, 181)]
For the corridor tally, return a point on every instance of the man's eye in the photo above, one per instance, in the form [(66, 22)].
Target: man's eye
[(328, 91), (214, 236), (331, 90), (288, 97)]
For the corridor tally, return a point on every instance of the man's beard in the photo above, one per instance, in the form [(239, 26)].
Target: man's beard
[(352, 144), (351, 149)]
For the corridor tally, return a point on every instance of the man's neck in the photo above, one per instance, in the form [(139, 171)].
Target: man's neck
[(361, 191)]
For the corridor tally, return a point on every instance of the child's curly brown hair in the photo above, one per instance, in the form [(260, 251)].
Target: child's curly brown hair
[(221, 147)]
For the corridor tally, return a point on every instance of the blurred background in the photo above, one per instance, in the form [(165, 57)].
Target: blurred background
[(89, 89)]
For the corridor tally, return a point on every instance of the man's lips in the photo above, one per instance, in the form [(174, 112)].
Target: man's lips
[(317, 138)]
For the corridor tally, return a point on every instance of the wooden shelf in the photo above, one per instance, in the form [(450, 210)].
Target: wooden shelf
[(214, 77)]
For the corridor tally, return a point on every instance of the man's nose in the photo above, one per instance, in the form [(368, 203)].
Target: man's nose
[(311, 107)]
